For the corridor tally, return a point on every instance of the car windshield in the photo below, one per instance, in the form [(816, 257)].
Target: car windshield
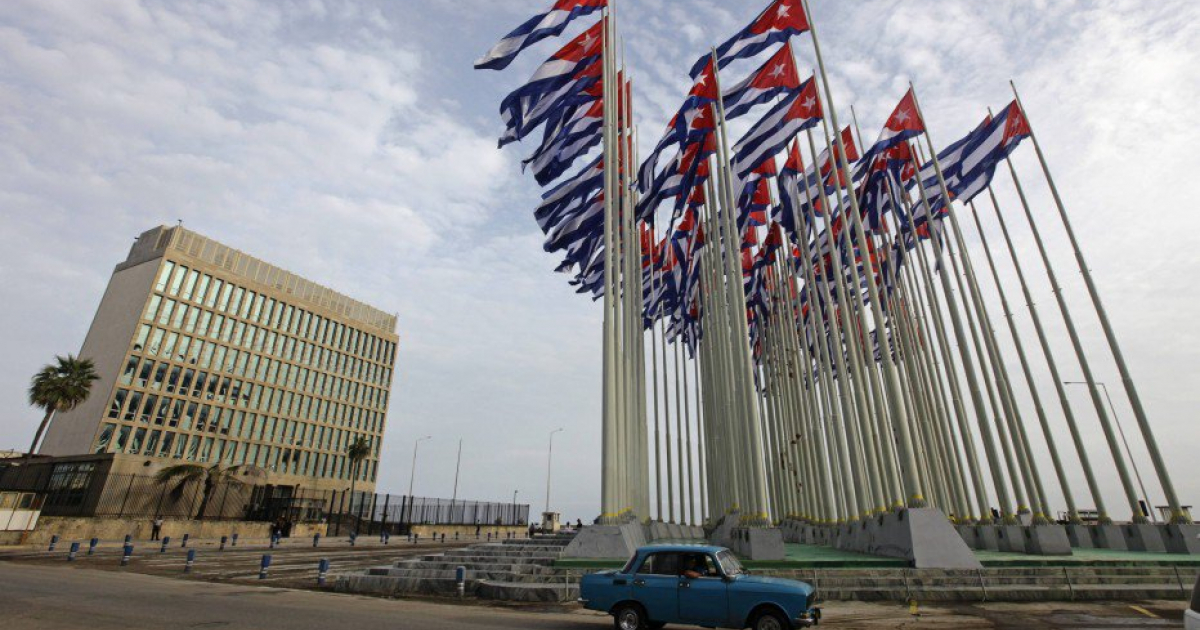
[(729, 563)]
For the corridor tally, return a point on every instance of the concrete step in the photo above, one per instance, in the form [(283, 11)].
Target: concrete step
[(524, 592)]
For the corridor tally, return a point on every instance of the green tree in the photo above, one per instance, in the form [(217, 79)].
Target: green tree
[(60, 387), (209, 476), (356, 453)]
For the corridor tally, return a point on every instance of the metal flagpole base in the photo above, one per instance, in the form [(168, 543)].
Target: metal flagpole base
[(923, 536)]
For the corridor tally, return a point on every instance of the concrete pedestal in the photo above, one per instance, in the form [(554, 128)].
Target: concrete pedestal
[(1181, 538), (1109, 537), (723, 533), (758, 543), (1080, 536), (923, 536), (986, 538), (1047, 540), (607, 541), (1143, 537), (967, 533), (1011, 538)]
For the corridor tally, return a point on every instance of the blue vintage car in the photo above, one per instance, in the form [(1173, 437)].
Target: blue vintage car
[(697, 585)]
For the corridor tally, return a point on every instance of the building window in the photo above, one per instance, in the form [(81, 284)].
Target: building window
[(106, 434), (164, 275)]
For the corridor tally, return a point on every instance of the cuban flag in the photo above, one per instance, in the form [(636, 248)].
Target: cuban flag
[(795, 113), (529, 105), (997, 140), (775, 77), (557, 154), (539, 27), (692, 122), (561, 200), (576, 226), (780, 20), (904, 123)]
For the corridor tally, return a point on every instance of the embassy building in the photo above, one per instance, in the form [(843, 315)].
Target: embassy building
[(209, 356)]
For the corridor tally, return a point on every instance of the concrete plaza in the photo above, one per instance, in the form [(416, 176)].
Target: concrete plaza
[(36, 596)]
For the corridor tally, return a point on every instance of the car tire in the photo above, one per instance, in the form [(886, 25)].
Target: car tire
[(630, 617), (770, 620)]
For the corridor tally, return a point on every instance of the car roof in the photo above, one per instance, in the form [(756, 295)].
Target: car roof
[(682, 547)]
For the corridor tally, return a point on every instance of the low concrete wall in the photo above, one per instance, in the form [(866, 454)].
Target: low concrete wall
[(467, 532), (83, 529)]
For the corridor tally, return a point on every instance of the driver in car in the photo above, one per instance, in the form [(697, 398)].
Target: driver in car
[(694, 566)]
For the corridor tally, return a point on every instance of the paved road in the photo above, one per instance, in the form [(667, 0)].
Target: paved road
[(39, 596)]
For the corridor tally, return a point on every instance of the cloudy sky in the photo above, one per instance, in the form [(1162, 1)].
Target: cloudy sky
[(351, 142)]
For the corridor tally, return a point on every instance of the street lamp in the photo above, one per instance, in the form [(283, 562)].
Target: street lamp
[(1129, 453), (412, 476), (549, 459)]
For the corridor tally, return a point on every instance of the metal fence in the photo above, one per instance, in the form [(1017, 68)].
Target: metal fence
[(86, 492)]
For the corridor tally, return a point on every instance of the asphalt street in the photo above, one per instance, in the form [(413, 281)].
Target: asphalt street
[(40, 596)]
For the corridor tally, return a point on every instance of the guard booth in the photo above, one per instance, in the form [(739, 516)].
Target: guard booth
[(19, 511), (550, 522)]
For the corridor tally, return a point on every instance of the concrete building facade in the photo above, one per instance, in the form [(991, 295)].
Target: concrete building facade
[(208, 355)]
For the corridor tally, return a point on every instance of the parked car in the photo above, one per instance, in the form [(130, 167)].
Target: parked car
[(1191, 617), (697, 585)]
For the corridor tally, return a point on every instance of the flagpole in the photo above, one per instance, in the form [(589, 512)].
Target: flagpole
[(1056, 459), (915, 496), (1043, 341), (1177, 514), (609, 412), (654, 379), (981, 415), (757, 514)]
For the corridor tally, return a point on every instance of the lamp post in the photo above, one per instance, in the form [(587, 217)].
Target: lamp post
[(1129, 453), (549, 459), (412, 476), (514, 504)]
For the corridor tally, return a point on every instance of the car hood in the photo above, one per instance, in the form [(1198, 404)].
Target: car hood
[(773, 584)]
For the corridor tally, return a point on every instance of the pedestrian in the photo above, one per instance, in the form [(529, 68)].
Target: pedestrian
[(156, 527), (578, 524), (477, 529)]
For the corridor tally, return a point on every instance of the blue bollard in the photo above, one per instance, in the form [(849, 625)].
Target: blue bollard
[(489, 536), (233, 543), (224, 539), (460, 578), (126, 553), (316, 539), (353, 537), (185, 539), (322, 571), (53, 542), (266, 564), (92, 546), (416, 537), (191, 559), (74, 550), (166, 541)]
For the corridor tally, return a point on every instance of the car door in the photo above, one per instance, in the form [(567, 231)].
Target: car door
[(656, 585), (704, 600)]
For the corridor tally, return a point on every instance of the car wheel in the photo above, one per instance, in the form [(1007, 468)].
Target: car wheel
[(770, 620), (629, 617)]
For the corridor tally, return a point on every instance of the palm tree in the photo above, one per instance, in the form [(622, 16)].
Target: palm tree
[(60, 387), (211, 476), (356, 453)]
